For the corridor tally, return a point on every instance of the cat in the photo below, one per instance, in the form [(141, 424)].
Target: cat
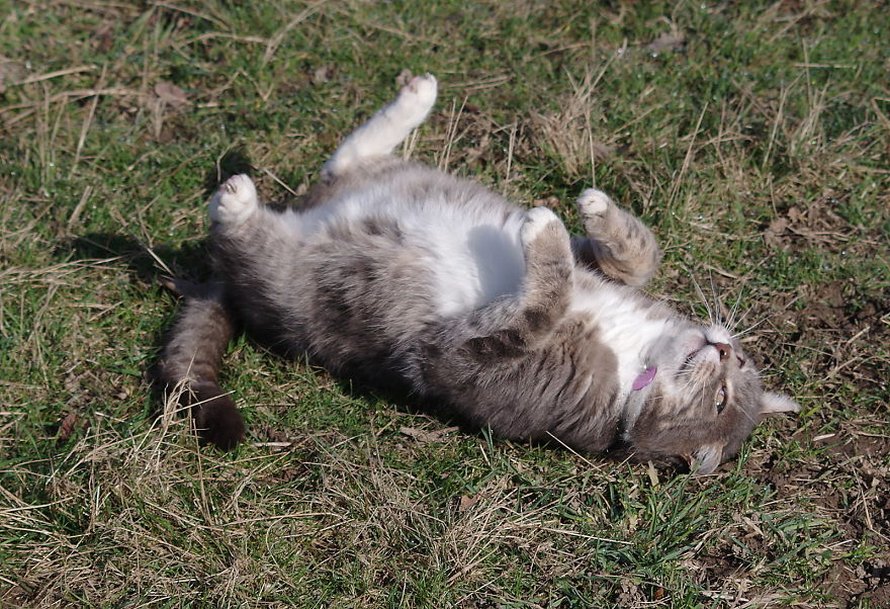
[(397, 274)]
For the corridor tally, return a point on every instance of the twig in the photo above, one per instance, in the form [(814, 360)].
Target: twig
[(280, 182), (55, 74), (278, 37), (87, 122)]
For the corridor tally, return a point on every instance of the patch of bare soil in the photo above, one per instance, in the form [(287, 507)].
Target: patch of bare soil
[(839, 336), (869, 582), (810, 224), (843, 474), (844, 483)]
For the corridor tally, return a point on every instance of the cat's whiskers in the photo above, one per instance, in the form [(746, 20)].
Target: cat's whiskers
[(700, 293), (741, 319), (694, 380), (701, 403), (718, 309), (736, 321), (749, 328), (747, 416), (730, 324)]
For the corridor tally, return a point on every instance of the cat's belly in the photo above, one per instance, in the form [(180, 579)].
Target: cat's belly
[(477, 263), (471, 248)]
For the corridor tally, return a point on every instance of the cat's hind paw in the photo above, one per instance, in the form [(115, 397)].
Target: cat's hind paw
[(235, 201), (424, 87), (416, 99), (593, 203)]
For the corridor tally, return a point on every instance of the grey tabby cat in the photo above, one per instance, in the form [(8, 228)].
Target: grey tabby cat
[(394, 273)]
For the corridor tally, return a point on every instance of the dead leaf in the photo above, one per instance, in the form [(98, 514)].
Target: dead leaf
[(551, 202), (404, 78), (466, 502), (795, 215), (66, 427), (322, 75), (667, 41), (774, 234), (10, 72), (103, 38), (169, 93)]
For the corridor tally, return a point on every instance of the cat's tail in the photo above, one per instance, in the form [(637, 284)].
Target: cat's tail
[(191, 359)]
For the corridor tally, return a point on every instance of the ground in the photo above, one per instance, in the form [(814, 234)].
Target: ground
[(753, 138)]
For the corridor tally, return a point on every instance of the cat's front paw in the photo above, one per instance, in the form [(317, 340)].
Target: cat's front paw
[(593, 203), (235, 200)]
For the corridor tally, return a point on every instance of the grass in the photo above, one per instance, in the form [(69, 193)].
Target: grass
[(753, 137)]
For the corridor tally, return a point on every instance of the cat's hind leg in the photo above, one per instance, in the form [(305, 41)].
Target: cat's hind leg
[(190, 363), (617, 242), (387, 128)]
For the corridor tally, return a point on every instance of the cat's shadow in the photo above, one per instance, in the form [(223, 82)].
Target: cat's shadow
[(188, 260), (152, 267), (231, 163), (191, 260)]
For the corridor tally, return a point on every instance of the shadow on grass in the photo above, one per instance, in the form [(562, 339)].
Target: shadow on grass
[(191, 260), (158, 265), (231, 163)]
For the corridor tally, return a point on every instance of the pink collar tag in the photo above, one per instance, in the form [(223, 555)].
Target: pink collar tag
[(645, 377)]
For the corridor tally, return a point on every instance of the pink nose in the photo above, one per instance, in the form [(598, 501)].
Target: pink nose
[(723, 349)]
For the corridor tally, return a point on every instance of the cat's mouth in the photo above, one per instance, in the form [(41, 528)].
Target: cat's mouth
[(691, 348)]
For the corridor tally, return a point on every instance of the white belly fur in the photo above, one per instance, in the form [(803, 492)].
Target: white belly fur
[(627, 330)]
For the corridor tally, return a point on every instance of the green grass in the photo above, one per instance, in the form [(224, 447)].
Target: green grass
[(754, 142)]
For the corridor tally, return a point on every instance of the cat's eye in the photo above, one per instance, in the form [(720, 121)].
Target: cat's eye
[(720, 399)]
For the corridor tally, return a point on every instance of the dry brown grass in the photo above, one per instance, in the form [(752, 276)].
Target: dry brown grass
[(754, 140)]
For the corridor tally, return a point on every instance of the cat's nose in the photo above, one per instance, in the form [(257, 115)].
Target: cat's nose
[(723, 349)]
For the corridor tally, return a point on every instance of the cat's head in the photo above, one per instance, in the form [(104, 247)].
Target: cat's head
[(703, 401)]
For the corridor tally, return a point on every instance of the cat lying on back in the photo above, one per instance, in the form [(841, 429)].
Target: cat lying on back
[(397, 273)]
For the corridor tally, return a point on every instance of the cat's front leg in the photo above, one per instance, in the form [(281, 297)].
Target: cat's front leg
[(516, 323), (617, 242), (234, 202), (548, 262)]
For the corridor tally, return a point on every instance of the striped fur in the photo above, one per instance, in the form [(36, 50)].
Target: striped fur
[(396, 274)]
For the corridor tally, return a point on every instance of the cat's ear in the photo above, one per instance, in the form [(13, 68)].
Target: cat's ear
[(705, 459), (771, 403)]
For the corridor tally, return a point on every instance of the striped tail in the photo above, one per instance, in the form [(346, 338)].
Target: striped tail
[(191, 361)]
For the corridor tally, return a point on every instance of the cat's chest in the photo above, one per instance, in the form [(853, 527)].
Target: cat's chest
[(627, 324)]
